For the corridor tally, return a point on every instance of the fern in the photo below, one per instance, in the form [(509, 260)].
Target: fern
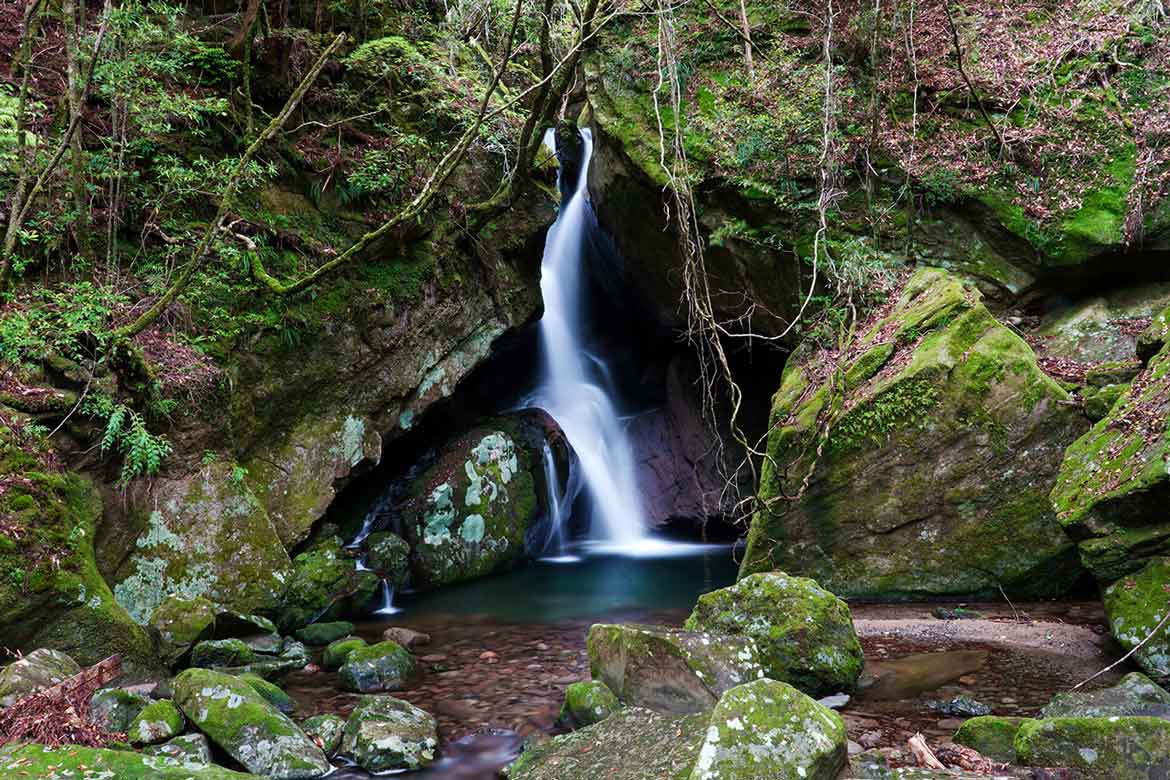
[(126, 433)]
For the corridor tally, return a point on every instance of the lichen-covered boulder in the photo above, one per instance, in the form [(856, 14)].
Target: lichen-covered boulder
[(114, 709), (1094, 330), (325, 582), (189, 750), (991, 735), (466, 515), (1134, 694), (587, 703), (632, 744), (159, 721), (339, 649), (384, 733), (804, 633), (40, 669), (222, 652), (388, 554), (670, 670), (1109, 494), (385, 666), (75, 761), (1098, 748), (272, 692), (1136, 605), (321, 634), (179, 622), (767, 728), (247, 727), (325, 731), (929, 447)]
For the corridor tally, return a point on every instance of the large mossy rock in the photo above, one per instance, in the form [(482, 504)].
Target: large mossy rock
[(247, 727), (804, 633), (669, 670), (40, 669), (1098, 748), (632, 744), (338, 650), (467, 515), (321, 634), (222, 652), (991, 735), (388, 554), (325, 583), (386, 666), (74, 761), (767, 728), (943, 442), (384, 734), (157, 722), (1135, 694), (1113, 484), (586, 703), (1136, 605), (180, 622), (114, 709)]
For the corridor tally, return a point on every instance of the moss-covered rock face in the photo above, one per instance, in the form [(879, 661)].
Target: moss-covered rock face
[(245, 725), (804, 633), (114, 709), (468, 513), (157, 722), (40, 669), (339, 649), (180, 622), (769, 729), (1098, 748), (320, 634), (222, 652), (1135, 606), (386, 666), (1098, 329), (203, 534), (587, 703), (326, 731), (389, 555), (991, 735), (632, 744), (1135, 694), (83, 762), (324, 581), (1110, 494), (384, 733), (669, 670), (943, 440)]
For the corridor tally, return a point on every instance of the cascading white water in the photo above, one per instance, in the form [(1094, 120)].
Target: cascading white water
[(572, 389)]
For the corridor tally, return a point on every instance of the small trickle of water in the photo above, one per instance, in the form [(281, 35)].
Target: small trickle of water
[(386, 603)]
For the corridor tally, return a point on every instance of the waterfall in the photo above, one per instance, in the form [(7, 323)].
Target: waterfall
[(574, 390), (559, 503), (386, 603)]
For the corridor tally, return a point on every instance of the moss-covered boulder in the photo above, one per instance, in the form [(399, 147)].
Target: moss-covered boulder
[(384, 733), (991, 735), (339, 649), (272, 692), (114, 709), (669, 670), (1136, 605), (939, 439), (179, 622), (632, 744), (321, 634), (198, 534), (40, 669), (385, 666), (1112, 482), (157, 722), (586, 703), (468, 513), (1098, 748), (388, 554), (325, 731), (188, 750), (84, 762), (1099, 328), (325, 582), (247, 727), (222, 652), (767, 728), (1134, 694), (804, 633)]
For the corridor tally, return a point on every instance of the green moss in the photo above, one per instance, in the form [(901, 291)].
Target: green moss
[(991, 735), (1098, 748), (339, 649), (84, 762), (158, 721), (386, 666), (587, 703), (1135, 606)]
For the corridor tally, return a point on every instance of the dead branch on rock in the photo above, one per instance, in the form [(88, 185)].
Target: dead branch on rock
[(923, 755), (59, 715)]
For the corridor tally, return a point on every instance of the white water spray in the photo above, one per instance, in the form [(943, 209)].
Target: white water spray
[(572, 389)]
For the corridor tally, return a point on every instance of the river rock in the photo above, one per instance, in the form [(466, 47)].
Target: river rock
[(468, 513), (1130, 748), (237, 625), (40, 669), (632, 744), (114, 709), (1136, 606), (320, 634), (188, 750), (384, 733), (587, 703), (389, 555), (272, 692), (75, 761), (934, 479), (339, 649), (179, 622), (1135, 694), (385, 666), (159, 721), (804, 633), (325, 583), (991, 735), (408, 638), (670, 670), (245, 725), (767, 728), (222, 652), (325, 731)]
